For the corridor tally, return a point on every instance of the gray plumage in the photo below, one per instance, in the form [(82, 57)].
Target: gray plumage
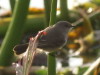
[(55, 38)]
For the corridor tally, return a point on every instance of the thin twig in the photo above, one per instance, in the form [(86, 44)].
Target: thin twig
[(94, 65), (90, 16)]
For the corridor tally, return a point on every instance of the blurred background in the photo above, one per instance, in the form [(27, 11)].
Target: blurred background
[(81, 50)]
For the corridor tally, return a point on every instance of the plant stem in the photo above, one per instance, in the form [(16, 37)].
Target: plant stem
[(47, 5), (64, 10), (52, 59), (12, 4), (51, 64), (14, 32), (53, 12)]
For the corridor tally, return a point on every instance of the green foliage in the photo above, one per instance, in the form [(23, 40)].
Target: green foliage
[(47, 5), (12, 4), (64, 10), (81, 70), (14, 32), (33, 24), (97, 2), (41, 72)]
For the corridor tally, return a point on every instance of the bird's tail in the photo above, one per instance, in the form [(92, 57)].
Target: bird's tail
[(19, 49)]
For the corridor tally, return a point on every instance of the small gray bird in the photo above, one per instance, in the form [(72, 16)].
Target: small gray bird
[(54, 39)]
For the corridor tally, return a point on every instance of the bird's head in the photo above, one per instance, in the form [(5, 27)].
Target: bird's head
[(64, 25)]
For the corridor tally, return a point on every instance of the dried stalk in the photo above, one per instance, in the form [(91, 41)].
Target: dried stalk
[(23, 66), (91, 68)]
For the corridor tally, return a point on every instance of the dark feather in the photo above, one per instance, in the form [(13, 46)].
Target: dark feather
[(56, 36)]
